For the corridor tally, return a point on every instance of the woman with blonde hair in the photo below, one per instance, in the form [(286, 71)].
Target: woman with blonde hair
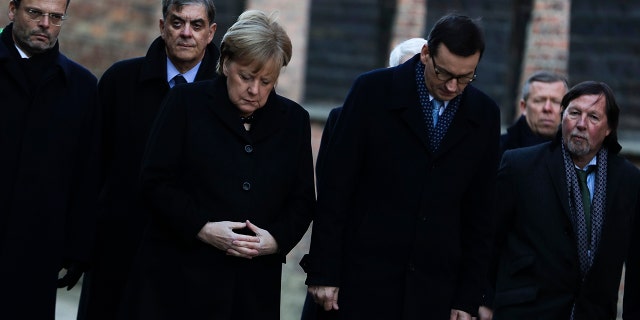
[(228, 172)]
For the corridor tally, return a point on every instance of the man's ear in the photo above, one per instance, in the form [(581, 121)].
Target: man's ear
[(12, 11), (161, 27)]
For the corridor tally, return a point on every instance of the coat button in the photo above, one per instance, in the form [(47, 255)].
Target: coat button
[(246, 186), (248, 148)]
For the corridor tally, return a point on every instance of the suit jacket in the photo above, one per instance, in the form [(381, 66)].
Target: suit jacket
[(49, 175), (201, 165), (538, 275), (399, 229), (131, 92)]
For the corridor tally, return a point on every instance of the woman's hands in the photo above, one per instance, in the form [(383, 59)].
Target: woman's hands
[(222, 236)]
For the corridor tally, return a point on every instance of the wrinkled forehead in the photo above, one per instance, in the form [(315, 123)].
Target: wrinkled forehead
[(45, 5)]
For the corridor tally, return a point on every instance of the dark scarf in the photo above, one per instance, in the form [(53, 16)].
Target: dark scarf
[(586, 249)]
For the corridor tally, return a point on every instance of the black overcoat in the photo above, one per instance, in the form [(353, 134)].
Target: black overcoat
[(131, 92), (405, 233), (539, 271), (49, 177), (201, 165)]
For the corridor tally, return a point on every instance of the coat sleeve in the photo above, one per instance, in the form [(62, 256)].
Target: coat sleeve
[(477, 215), (336, 180), (300, 201), (162, 182), (86, 180), (631, 307)]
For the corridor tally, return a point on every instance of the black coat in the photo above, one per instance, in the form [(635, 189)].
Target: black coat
[(538, 274), (201, 165), (519, 135), (403, 231), (131, 92), (49, 175)]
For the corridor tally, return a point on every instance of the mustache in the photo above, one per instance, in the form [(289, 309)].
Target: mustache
[(578, 135)]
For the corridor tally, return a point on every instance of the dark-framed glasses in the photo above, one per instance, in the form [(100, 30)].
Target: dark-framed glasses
[(36, 15), (446, 76)]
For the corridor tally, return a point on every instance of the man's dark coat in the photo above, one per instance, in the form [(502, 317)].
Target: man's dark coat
[(539, 273), (405, 233), (49, 177), (131, 92)]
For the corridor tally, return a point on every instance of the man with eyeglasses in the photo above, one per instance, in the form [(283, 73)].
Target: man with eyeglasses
[(50, 163), (403, 224), (131, 93)]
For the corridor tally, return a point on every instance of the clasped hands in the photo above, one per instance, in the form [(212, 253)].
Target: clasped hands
[(222, 236)]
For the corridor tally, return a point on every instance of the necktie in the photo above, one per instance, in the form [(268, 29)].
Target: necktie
[(435, 111), (179, 79), (586, 196)]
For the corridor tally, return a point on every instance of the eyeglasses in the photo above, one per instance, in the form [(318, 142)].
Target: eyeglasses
[(446, 76), (36, 15)]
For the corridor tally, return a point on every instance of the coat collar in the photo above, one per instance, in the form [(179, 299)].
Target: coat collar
[(61, 61), (405, 93), (555, 165), (268, 120), (154, 66)]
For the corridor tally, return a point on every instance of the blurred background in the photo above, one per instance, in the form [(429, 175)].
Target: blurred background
[(336, 40)]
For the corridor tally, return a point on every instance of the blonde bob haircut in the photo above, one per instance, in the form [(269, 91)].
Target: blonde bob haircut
[(257, 40)]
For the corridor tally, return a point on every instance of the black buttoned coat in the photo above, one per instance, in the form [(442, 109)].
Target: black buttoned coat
[(49, 177), (403, 232), (131, 92), (538, 275), (202, 165)]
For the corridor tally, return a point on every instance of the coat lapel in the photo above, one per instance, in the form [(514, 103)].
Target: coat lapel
[(407, 102), (269, 119), (219, 103), (555, 166)]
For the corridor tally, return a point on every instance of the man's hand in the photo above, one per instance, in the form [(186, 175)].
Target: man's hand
[(459, 315), (327, 297), (485, 313)]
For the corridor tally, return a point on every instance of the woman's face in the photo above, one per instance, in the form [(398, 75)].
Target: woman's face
[(249, 88)]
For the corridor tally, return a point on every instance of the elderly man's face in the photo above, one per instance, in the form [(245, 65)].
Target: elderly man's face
[(186, 33), (584, 127)]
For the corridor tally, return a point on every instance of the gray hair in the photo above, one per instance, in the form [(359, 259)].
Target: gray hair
[(207, 4), (255, 39), (542, 76), (407, 47)]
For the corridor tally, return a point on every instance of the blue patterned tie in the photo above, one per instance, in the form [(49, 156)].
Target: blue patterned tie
[(435, 111)]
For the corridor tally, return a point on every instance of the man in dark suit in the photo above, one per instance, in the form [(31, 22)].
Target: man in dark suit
[(403, 227), (540, 107), (131, 92), (49, 163), (562, 241)]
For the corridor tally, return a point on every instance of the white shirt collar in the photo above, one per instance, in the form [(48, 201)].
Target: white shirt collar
[(23, 54)]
